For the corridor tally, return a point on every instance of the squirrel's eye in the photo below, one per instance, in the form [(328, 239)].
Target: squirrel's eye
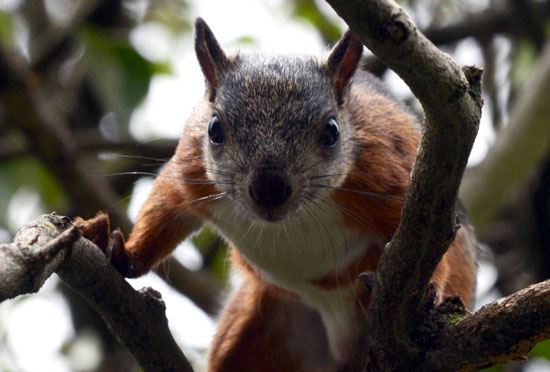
[(330, 134), (215, 131)]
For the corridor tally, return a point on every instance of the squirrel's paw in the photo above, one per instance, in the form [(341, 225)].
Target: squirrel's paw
[(98, 231)]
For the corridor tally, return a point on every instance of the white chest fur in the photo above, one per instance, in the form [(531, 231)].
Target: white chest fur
[(293, 252)]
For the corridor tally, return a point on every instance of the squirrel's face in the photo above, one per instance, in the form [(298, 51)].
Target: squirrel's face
[(278, 134)]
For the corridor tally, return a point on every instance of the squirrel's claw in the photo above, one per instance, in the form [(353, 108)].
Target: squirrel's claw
[(118, 255), (97, 230), (432, 296), (367, 279)]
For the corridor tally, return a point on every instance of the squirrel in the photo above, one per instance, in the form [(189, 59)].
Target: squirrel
[(301, 164)]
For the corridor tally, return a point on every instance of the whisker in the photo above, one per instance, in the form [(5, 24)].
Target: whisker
[(160, 161), (197, 203), (191, 181), (345, 210), (324, 226), (325, 176), (360, 192), (311, 166), (157, 160)]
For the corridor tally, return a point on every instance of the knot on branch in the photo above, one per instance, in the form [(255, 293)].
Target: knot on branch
[(391, 30), (473, 74), (450, 311), (154, 300)]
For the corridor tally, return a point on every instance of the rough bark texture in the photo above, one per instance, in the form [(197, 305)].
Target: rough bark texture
[(25, 266), (136, 318), (503, 330)]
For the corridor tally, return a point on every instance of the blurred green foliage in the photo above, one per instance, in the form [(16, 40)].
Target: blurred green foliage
[(541, 350), (525, 55), (171, 14), (308, 10), (119, 73), (214, 251), (6, 29)]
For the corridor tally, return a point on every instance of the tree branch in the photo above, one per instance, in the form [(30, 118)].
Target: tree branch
[(452, 102), (501, 18), (136, 318), (500, 331), (46, 47), (503, 330)]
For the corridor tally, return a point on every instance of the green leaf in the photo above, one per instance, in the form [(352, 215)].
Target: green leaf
[(246, 40), (217, 260), (173, 21), (523, 60), (542, 350), (495, 368), (306, 9), (6, 29), (118, 72)]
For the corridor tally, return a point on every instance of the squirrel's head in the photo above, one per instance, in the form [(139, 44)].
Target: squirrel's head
[(277, 132)]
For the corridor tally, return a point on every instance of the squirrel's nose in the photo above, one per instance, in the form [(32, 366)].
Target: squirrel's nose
[(269, 188)]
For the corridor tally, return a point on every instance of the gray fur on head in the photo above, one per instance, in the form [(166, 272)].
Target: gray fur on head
[(273, 110)]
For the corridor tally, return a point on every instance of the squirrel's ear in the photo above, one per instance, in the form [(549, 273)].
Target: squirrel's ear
[(342, 63), (210, 55)]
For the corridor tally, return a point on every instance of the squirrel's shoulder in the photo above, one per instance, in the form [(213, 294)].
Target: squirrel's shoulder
[(372, 103)]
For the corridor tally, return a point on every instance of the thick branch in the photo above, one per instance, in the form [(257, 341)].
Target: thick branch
[(503, 330), (136, 318), (452, 107)]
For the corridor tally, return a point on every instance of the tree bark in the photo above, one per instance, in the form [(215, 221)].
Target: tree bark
[(51, 243)]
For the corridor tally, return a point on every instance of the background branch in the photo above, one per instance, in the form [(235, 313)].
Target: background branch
[(499, 177), (52, 142)]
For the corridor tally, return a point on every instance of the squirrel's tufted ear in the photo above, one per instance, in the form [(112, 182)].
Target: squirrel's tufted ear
[(342, 63), (210, 55)]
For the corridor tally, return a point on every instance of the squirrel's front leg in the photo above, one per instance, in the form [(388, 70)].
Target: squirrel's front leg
[(165, 219)]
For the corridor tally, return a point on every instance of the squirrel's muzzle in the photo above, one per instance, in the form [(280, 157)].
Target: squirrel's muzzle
[(269, 188)]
